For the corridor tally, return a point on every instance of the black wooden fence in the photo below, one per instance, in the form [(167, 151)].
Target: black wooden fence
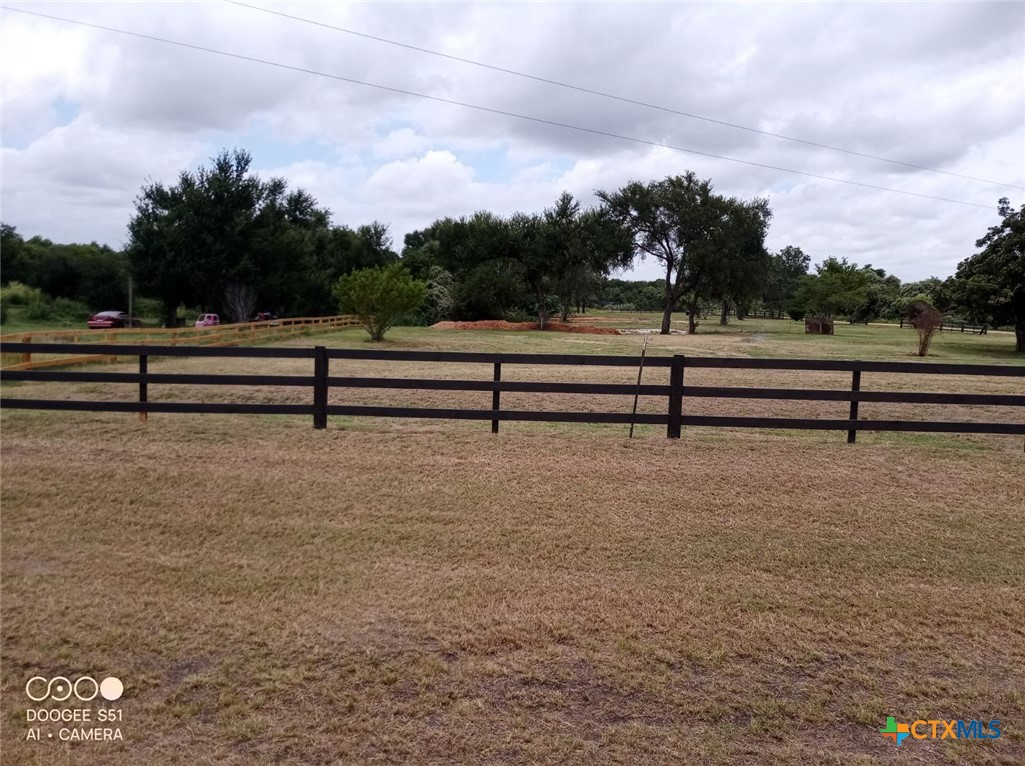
[(673, 418)]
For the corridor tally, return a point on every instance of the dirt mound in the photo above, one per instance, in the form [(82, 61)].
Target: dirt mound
[(490, 324), (501, 324)]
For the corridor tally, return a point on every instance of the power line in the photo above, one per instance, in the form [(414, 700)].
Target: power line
[(439, 99), (621, 99)]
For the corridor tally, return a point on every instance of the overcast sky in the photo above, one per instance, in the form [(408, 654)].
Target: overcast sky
[(90, 115)]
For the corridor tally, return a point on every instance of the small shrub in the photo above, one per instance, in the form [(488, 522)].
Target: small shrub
[(417, 319), (439, 301), (40, 307), (17, 294), (70, 310), (379, 297), (926, 320), (148, 308), (43, 307), (519, 315)]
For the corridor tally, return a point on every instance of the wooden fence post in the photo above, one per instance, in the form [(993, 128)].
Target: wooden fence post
[(675, 396), (143, 386), (852, 434), (320, 387), (496, 397)]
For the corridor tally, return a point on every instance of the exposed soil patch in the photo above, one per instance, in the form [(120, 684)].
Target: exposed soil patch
[(501, 324)]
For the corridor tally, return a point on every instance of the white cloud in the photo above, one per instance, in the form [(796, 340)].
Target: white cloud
[(405, 142), (78, 182), (433, 177)]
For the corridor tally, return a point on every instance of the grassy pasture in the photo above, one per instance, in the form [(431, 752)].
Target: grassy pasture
[(425, 592)]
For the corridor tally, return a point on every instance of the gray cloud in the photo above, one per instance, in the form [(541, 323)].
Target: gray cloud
[(932, 84)]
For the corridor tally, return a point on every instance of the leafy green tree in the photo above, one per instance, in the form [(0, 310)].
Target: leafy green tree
[(56, 275), (221, 226), (529, 242), (93, 274), (488, 282), (990, 285), (12, 255), (786, 269), (551, 250), (458, 245), (647, 297), (496, 289), (669, 220), (564, 253), (882, 297), (737, 262), (277, 260), (928, 290), (440, 298), (795, 309), (421, 260), (560, 253), (375, 244), (926, 286), (710, 247), (597, 244), (631, 295), (837, 287), (337, 251), (380, 296)]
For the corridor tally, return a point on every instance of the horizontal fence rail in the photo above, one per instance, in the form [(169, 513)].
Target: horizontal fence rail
[(674, 418), (63, 342)]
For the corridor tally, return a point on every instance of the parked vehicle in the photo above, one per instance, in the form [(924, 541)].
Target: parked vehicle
[(264, 316), (108, 320), (208, 320)]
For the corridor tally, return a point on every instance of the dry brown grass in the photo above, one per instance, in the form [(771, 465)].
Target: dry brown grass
[(380, 594), (425, 592)]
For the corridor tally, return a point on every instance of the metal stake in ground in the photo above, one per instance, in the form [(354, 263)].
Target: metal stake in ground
[(637, 393)]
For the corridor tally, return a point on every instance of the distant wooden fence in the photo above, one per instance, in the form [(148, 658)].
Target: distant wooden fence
[(673, 418), (949, 326), (216, 335), (759, 314)]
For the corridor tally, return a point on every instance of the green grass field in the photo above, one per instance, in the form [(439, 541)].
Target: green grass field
[(17, 322), (750, 337), (426, 592)]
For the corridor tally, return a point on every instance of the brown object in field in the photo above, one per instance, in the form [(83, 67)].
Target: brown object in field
[(918, 312), (927, 320), (501, 324), (818, 325)]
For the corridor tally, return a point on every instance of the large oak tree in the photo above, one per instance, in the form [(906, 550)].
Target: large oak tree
[(990, 285), (709, 247), (222, 226)]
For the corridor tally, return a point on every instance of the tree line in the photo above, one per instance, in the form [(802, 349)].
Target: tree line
[(222, 239)]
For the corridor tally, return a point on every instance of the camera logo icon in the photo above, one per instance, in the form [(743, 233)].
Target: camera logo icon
[(85, 689)]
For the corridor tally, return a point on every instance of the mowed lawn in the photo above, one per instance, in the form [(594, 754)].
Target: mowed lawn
[(427, 592)]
